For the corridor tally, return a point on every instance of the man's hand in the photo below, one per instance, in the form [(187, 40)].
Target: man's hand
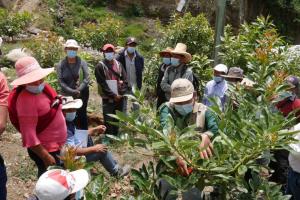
[(206, 148), (97, 130), (77, 93), (100, 148), (117, 98), (182, 166), (49, 160)]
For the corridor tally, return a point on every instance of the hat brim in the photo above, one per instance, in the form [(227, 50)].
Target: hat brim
[(71, 46), (188, 56), (232, 77), (74, 104), (32, 76), (181, 99), (82, 178)]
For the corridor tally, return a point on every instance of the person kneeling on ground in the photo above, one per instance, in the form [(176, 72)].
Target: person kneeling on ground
[(58, 184), (185, 111), (98, 152)]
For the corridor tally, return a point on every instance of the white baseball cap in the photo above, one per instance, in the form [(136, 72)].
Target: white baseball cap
[(221, 68), (58, 184), (72, 44)]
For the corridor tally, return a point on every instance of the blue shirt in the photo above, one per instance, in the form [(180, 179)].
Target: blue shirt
[(215, 90), (71, 139)]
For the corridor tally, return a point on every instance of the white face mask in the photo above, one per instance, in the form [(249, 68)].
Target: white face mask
[(175, 62), (70, 116), (109, 56), (184, 109), (131, 49), (35, 89)]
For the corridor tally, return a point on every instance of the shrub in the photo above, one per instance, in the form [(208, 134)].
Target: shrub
[(12, 24), (96, 35), (195, 32)]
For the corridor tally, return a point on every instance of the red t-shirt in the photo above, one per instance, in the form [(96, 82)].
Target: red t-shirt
[(287, 106)]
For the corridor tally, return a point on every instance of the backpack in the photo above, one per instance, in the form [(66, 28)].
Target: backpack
[(44, 120), (196, 82)]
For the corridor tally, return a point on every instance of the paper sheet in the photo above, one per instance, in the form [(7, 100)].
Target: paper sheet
[(82, 136), (113, 86), (180, 5)]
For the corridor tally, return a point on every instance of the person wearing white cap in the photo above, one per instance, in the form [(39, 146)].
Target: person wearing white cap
[(73, 78), (185, 111), (58, 184), (217, 87), (98, 152)]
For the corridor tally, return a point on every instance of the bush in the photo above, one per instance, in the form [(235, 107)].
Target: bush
[(195, 32), (12, 24), (96, 35)]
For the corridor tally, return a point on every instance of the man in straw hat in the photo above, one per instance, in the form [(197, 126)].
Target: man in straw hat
[(36, 112), (178, 69), (166, 62), (73, 78), (4, 92), (58, 184), (98, 152), (185, 111), (217, 87)]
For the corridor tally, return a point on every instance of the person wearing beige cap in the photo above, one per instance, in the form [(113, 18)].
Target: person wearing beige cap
[(185, 111), (178, 69), (35, 111), (73, 78)]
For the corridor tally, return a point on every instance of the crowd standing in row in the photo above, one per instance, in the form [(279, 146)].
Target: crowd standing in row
[(48, 121)]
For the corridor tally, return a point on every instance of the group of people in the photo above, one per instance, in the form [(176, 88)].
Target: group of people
[(48, 119)]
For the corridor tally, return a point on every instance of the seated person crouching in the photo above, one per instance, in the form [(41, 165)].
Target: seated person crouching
[(98, 152)]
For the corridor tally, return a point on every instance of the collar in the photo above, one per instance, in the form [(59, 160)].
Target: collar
[(126, 54)]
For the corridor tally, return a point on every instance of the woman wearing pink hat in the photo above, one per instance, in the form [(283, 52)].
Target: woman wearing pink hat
[(36, 112)]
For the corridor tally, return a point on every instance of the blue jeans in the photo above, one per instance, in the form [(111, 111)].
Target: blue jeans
[(106, 159), (293, 185), (3, 179)]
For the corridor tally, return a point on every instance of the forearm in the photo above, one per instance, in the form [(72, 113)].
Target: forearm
[(84, 151), (3, 118), (40, 151)]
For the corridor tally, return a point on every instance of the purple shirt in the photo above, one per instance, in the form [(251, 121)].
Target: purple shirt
[(213, 90)]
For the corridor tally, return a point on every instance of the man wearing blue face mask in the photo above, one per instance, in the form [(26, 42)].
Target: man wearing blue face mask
[(178, 68), (166, 59), (185, 111), (112, 85), (73, 78), (217, 87)]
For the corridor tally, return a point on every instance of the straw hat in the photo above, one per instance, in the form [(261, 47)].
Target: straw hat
[(71, 44), (29, 70), (234, 73), (180, 49), (167, 50)]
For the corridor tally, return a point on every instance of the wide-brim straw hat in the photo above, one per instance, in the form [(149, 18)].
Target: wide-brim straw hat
[(71, 44), (168, 50), (234, 73), (29, 70), (180, 49)]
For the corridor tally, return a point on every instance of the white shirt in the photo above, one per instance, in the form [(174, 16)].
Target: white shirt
[(294, 156), (130, 69)]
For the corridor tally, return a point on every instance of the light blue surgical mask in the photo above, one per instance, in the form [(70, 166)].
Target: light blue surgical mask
[(175, 62), (109, 56), (218, 79), (184, 109), (70, 116), (71, 53), (167, 61), (131, 49), (35, 89)]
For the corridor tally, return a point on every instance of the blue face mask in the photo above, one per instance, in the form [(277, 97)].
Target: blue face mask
[(167, 61), (70, 116), (175, 62), (71, 53), (109, 56), (218, 79), (35, 89), (184, 109), (131, 49)]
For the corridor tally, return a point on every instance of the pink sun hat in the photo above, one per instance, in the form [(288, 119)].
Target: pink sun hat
[(29, 70)]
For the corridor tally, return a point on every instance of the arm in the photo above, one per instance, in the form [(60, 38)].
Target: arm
[(124, 87), (188, 75), (165, 86), (98, 148), (61, 81), (101, 80), (3, 118), (42, 153), (211, 122), (86, 76), (4, 92), (205, 100), (164, 118)]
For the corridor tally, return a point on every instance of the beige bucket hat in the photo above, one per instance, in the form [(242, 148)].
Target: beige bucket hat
[(181, 90), (180, 49)]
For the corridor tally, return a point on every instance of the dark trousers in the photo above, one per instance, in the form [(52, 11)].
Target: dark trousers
[(293, 185), (3, 179), (40, 163), (81, 120), (110, 107), (160, 100), (280, 167)]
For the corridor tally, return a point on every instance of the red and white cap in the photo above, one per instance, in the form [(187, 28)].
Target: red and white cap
[(58, 184)]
